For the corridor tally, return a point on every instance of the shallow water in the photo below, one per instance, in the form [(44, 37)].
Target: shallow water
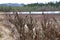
[(39, 12)]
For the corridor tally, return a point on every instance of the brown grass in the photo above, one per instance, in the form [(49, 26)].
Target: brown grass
[(46, 26)]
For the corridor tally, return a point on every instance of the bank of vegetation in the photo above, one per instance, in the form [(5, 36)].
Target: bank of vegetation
[(29, 28), (33, 7)]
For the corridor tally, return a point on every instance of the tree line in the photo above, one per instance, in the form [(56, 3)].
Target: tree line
[(32, 7)]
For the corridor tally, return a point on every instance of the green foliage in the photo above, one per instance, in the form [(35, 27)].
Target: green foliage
[(32, 7)]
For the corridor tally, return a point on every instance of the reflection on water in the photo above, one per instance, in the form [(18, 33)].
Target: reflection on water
[(40, 12), (46, 12)]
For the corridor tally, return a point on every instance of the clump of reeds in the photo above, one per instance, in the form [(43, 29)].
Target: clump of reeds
[(48, 25)]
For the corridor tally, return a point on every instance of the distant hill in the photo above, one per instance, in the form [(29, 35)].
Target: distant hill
[(11, 4)]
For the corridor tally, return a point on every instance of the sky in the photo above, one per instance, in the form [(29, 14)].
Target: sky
[(27, 1)]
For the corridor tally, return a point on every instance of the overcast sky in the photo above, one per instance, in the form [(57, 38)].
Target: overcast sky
[(27, 1)]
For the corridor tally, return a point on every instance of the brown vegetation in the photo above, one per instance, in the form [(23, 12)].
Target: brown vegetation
[(33, 27)]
